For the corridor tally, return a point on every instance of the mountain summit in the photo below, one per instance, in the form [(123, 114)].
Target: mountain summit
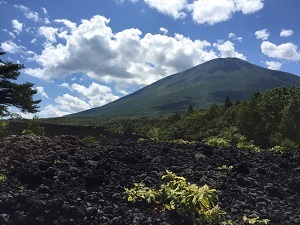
[(199, 86)]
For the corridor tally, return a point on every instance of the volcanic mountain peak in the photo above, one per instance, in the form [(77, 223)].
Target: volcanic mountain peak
[(199, 86)]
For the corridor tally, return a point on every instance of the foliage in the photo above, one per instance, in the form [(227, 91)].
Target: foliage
[(217, 142), (247, 221), (3, 177), (13, 94), (266, 120), (248, 145), (178, 194), (225, 167), (90, 140), (34, 127), (3, 128), (255, 220)]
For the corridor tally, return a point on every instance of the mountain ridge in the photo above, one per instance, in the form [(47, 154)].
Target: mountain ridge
[(199, 86)]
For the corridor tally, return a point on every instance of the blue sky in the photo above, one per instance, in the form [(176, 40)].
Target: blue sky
[(84, 54)]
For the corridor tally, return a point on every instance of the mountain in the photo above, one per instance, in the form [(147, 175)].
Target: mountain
[(199, 86)]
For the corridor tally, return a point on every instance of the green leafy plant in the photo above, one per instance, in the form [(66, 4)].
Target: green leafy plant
[(198, 203), (34, 127), (217, 142), (247, 221), (3, 128), (90, 140), (3, 177), (255, 221), (247, 145), (225, 167), (228, 222)]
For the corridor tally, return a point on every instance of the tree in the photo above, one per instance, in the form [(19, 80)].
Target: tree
[(190, 109), (228, 103), (13, 94)]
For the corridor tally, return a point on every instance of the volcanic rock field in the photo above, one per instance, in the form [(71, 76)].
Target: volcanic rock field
[(61, 180)]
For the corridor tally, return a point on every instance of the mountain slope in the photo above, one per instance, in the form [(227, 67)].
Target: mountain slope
[(199, 86)]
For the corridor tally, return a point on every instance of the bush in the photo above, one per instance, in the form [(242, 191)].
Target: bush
[(289, 146), (198, 203), (217, 142), (3, 177), (248, 146), (90, 140), (3, 128), (34, 127)]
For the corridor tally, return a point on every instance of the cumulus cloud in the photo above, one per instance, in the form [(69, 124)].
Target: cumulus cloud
[(18, 27), (287, 51), (172, 8), (49, 33), (71, 104), (262, 34), (11, 47), (273, 65), (52, 111), (286, 33), (234, 37), (126, 58), (96, 94), (211, 12), (163, 30), (227, 50), (42, 92)]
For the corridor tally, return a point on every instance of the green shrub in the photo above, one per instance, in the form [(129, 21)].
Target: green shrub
[(289, 146), (248, 146), (247, 221), (255, 221), (90, 140), (3, 128), (217, 142), (3, 177), (225, 167), (34, 127), (198, 203)]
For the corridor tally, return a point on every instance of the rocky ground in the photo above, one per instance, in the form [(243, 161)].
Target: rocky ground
[(61, 180)]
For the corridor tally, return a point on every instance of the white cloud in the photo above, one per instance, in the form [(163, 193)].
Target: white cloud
[(31, 15), (273, 65), (234, 37), (48, 32), (163, 30), (45, 11), (11, 47), (287, 51), (97, 95), (126, 58), (249, 6), (28, 13), (211, 12), (10, 33), (172, 8), (227, 50), (286, 33), (66, 85), (52, 111), (42, 92), (262, 34), (71, 104), (18, 27)]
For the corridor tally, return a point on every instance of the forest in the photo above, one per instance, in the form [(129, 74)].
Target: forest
[(268, 120)]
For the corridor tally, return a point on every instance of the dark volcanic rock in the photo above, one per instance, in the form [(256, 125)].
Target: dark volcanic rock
[(60, 180)]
